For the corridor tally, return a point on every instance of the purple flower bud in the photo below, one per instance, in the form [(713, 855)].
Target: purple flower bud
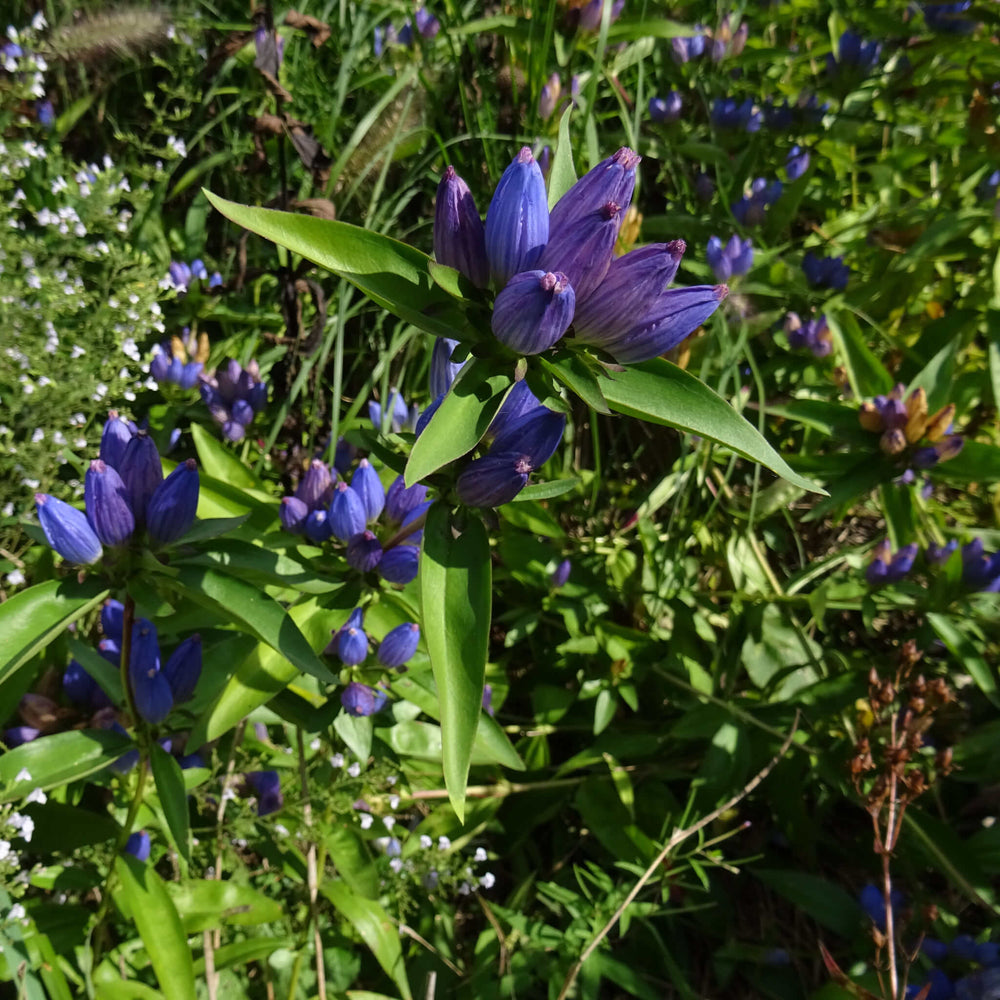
[(111, 650), (459, 236), (316, 487), (347, 512), (487, 701), (350, 642), (344, 455), (561, 574), (427, 24), (189, 374), (400, 500), (901, 563), (534, 436), (361, 700), (675, 315), (582, 249), (67, 530), (242, 412), (317, 526), (549, 97), (517, 222), (173, 504), (938, 555), (233, 430), (293, 513), (519, 403), (796, 163), (364, 552), (666, 109), (396, 649), (141, 473), (592, 11), (366, 483), (266, 785), (533, 311), (138, 845), (114, 440), (611, 181), (399, 565), (443, 370), (400, 414), (936, 951), (949, 447), (150, 687), (17, 736), (183, 668), (108, 509), (179, 274), (494, 479), (718, 259), (82, 689), (417, 513)]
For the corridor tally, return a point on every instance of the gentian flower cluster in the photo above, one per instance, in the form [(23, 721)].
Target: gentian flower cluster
[(325, 506), (592, 11), (904, 424), (400, 416), (180, 275), (666, 109), (888, 566), (980, 571), (234, 396), (688, 47), (945, 984), (796, 163), (729, 113), (854, 55), (825, 272), (124, 493), (726, 42), (426, 23), (751, 208), (555, 271), (181, 359), (947, 17), (733, 259), (805, 113), (266, 786), (813, 335), (155, 688)]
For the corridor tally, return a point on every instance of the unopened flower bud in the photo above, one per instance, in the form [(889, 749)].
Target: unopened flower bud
[(293, 513), (108, 508), (347, 512), (399, 645), (183, 669), (67, 530), (893, 441), (141, 472), (940, 423), (533, 311), (399, 565), (366, 483), (517, 222), (361, 700), (364, 552), (173, 505)]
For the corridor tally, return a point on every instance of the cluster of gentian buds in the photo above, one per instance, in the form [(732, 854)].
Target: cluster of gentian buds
[(854, 55), (903, 424), (234, 395), (980, 572), (751, 209), (350, 645), (796, 163), (181, 359), (666, 109), (813, 335), (266, 786), (744, 115), (556, 272), (156, 686), (426, 24), (325, 506), (718, 44), (124, 494), (180, 275), (729, 260), (805, 113), (825, 272)]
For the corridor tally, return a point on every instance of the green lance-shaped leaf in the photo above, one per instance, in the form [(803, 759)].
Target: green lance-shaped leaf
[(204, 904), (662, 393), (58, 759), (376, 929), (34, 617), (867, 375), (392, 274), (143, 896), (173, 797), (455, 609), (461, 420)]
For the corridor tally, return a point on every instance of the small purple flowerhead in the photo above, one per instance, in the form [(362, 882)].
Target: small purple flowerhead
[(266, 785), (361, 700), (138, 845)]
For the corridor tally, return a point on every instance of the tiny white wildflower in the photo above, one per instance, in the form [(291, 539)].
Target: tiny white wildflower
[(480, 854), (37, 795), (393, 801), (17, 912), (366, 821), (23, 775), (15, 578), (444, 844), (488, 880), (396, 864), (425, 841), (337, 760), (388, 822), (354, 770)]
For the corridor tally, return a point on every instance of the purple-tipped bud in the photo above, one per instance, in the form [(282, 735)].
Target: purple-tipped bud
[(666, 109), (493, 480), (938, 555), (427, 24), (150, 688), (364, 552), (533, 311), (366, 483), (317, 527), (632, 282), (242, 412), (396, 649), (949, 447), (172, 507), (108, 509), (138, 845), (347, 512), (350, 642), (400, 500), (399, 565), (159, 367), (459, 236), (718, 259), (114, 440), (142, 473), (561, 574), (893, 442), (293, 513), (316, 487), (612, 180), (266, 785), (67, 530), (582, 249), (675, 315), (233, 430), (183, 668), (534, 436), (740, 253), (443, 370), (360, 699), (517, 222), (549, 97)]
